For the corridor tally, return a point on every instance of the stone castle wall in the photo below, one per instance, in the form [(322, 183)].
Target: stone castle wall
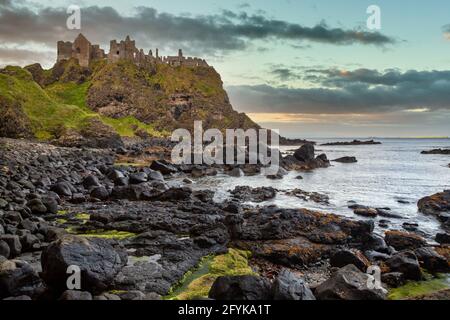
[(82, 50)]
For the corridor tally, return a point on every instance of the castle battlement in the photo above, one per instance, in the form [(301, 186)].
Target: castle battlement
[(82, 50)]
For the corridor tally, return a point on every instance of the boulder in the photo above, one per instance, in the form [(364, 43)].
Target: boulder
[(443, 238), (236, 172), (393, 279), (18, 278), (305, 153), (348, 283), (76, 295), (137, 178), (13, 241), (405, 262), (346, 160), (404, 240), (63, 189), (431, 260), (91, 181), (163, 166), (100, 193), (366, 212), (289, 286), (355, 257), (98, 261), (4, 249), (241, 288), (37, 207)]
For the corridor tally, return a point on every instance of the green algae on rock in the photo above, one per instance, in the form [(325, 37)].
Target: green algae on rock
[(197, 283)]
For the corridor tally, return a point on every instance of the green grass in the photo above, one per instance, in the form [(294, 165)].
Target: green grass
[(60, 105), (197, 283), (46, 115), (70, 93), (127, 126), (417, 288)]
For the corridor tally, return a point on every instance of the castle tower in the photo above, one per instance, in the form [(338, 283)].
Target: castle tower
[(82, 50)]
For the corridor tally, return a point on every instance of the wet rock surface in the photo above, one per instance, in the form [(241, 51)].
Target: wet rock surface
[(138, 230)]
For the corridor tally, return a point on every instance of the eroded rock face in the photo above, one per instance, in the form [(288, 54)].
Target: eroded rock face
[(241, 288), (348, 283), (98, 261)]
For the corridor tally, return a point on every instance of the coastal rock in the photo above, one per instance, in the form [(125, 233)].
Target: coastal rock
[(348, 283), (404, 240), (288, 286), (91, 181), (163, 166), (4, 249), (355, 257), (305, 153), (250, 288), (37, 207), (437, 151), (100, 193), (98, 260), (63, 189), (246, 193), (366, 212), (75, 295), (236, 172), (443, 238), (405, 262), (431, 260), (352, 143), (346, 160), (13, 241), (393, 279), (18, 278), (437, 205)]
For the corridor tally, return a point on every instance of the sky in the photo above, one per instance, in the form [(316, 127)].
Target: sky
[(308, 68)]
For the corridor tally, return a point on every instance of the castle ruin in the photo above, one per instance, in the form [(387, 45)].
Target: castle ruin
[(82, 50)]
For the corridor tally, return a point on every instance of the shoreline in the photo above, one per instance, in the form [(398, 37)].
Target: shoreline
[(163, 230)]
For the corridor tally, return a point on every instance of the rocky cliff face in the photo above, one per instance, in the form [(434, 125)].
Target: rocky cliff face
[(122, 99)]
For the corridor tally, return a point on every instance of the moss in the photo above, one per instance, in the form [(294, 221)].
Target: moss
[(127, 127), (198, 282), (61, 221), (62, 212), (83, 216), (417, 288), (103, 234)]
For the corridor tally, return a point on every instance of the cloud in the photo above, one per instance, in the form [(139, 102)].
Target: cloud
[(284, 74), (361, 91), (221, 32)]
